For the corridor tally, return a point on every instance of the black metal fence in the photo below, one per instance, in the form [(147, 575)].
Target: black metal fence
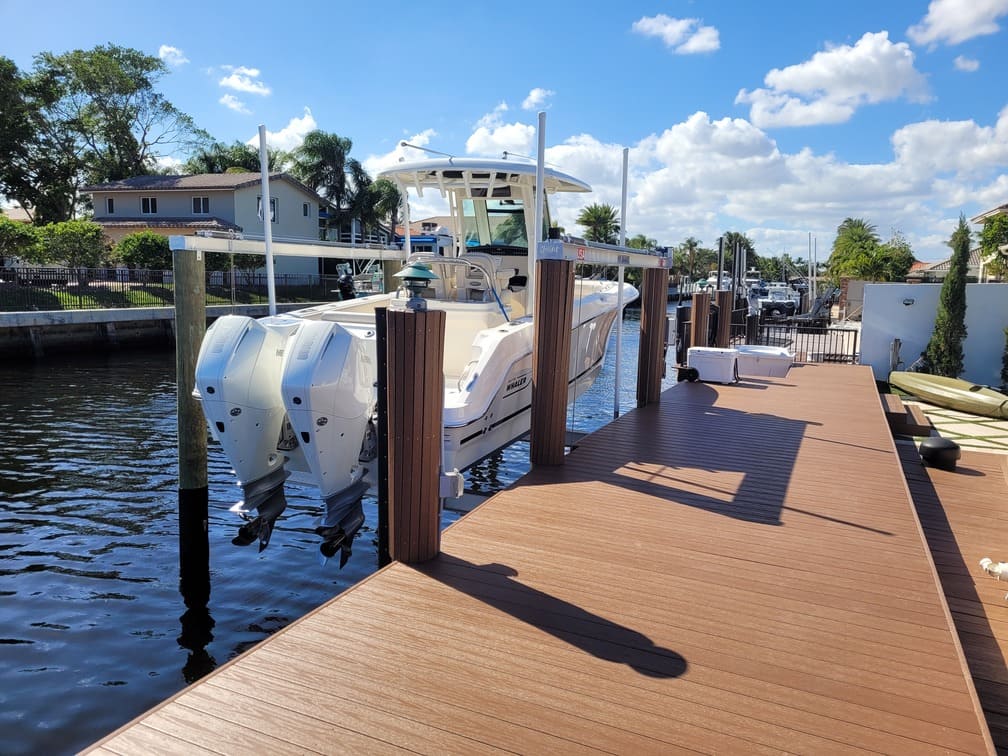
[(25, 289), (810, 341)]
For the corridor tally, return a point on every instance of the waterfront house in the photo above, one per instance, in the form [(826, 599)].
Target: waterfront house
[(183, 205)]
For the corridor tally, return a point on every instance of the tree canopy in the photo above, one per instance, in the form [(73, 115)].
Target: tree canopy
[(86, 116), (993, 236), (75, 244), (16, 240)]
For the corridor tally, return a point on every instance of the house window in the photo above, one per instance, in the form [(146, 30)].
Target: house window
[(148, 205), (304, 209), (201, 205), (273, 208), (109, 205)]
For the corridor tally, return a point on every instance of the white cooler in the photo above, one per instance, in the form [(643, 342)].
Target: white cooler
[(713, 364), (754, 360)]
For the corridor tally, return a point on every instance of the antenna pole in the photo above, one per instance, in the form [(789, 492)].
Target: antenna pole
[(540, 200), (267, 219)]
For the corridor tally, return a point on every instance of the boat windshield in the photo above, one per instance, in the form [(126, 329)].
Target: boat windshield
[(494, 223)]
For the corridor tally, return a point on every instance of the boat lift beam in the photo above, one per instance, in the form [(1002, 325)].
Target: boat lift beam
[(289, 248), (595, 253)]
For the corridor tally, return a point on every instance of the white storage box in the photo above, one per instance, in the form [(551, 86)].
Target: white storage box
[(713, 364), (764, 361)]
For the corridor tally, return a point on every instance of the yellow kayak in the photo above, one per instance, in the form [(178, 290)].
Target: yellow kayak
[(952, 393)]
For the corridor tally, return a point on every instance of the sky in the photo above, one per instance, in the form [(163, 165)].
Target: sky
[(777, 118)]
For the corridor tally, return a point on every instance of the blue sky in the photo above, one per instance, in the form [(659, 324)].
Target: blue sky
[(777, 119)]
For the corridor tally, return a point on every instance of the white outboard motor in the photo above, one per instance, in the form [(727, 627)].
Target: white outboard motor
[(328, 390), (238, 383)]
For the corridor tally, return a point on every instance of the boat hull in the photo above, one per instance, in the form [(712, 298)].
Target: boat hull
[(313, 375), (952, 393)]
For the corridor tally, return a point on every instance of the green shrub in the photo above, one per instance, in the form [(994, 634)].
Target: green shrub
[(145, 249), (16, 240), (76, 244)]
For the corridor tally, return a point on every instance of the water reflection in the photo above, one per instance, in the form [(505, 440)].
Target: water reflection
[(196, 635)]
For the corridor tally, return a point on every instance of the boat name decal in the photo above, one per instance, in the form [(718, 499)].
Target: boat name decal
[(516, 384)]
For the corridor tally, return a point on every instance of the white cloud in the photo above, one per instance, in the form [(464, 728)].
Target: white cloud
[(233, 103), (492, 136), (172, 55), (431, 203), (684, 36), (961, 149), (494, 140), (702, 176), (955, 21), (537, 98), (374, 164), (291, 135), (493, 118), (244, 79), (830, 86), (169, 163), (962, 63)]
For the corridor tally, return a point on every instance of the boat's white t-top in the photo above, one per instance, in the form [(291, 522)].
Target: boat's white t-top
[(491, 202)]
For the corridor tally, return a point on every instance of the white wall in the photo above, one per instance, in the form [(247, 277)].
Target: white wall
[(886, 317)]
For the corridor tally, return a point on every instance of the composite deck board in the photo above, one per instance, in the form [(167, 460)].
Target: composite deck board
[(738, 569), (963, 513)]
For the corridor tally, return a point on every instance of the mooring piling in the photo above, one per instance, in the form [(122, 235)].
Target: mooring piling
[(190, 326)]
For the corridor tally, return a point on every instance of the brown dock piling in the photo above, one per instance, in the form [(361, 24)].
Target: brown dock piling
[(551, 360), (415, 401), (724, 300), (700, 319), (651, 351)]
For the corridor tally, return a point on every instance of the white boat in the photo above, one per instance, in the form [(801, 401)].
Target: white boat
[(780, 299), (294, 394)]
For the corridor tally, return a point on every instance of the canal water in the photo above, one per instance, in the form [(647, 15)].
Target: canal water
[(93, 631)]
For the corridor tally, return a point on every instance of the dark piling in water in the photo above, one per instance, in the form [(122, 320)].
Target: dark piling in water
[(190, 327)]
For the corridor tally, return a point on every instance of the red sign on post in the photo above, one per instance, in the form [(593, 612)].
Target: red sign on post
[(581, 253)]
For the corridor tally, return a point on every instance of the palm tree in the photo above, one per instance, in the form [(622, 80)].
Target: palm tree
[(856, 241), (733, 239), (600, 223), (223, 158), (323, 162), (640, 241), (688, 250), (387, 201)]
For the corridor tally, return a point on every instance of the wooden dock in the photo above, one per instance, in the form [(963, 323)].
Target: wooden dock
[(737, 569), (963, 515)]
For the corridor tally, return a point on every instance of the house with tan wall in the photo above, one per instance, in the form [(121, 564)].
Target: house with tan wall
[(183, 205)]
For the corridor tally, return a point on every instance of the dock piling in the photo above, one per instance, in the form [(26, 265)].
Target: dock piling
[(415, 402), (553, 317), (190, 327), (651, 351)]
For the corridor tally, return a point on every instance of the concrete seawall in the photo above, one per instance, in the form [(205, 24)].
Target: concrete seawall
[(28, 336)]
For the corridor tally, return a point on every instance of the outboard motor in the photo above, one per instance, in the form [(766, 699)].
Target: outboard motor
[(343, 518), (328, 389), (238, 376), (345, 285), (259, 527)]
